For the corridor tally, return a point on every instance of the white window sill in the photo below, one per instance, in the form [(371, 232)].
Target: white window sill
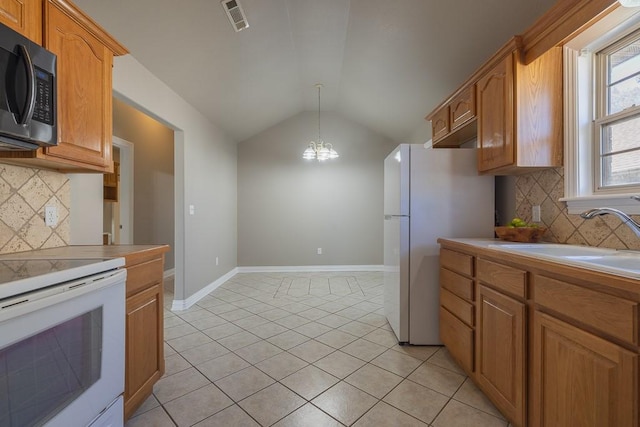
[(623, 202)]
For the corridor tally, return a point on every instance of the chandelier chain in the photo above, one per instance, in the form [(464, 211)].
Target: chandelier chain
[(319, 139)]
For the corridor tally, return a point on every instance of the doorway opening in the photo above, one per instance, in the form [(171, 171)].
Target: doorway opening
[(118, 196), (145, 213)]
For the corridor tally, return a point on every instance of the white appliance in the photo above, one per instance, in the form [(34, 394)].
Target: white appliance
[(62, 337), (428, 193)]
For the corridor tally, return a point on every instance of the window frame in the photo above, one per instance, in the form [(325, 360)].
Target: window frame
[(580, 104), (602, 117)]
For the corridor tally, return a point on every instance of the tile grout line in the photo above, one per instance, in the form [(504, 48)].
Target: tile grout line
[(230, 297)]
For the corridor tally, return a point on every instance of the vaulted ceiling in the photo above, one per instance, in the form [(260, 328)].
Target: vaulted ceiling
[(383, 63)]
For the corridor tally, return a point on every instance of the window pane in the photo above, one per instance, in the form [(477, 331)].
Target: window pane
[(615, 171), (624, 80), (624, 167)]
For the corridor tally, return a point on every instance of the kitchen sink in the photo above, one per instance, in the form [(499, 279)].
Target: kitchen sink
[(609, 260), (555, 249)]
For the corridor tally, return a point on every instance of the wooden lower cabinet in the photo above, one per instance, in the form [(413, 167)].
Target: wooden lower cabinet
[(144, 343), (144, 360), (457, 310), (581, 379), (500, 347), (549, 344), (458, 338)]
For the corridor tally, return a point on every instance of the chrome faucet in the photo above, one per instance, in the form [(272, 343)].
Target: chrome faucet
[(626, 219)]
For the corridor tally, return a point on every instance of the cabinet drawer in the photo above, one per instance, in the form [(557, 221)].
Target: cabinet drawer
[(615, 316), (440, 124), (457, 306), (456, 261), (463, 107), (458, 338), (141, 276), (507, 279), (457, 284)]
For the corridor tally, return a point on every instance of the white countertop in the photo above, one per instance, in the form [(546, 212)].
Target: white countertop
[(620, 262)]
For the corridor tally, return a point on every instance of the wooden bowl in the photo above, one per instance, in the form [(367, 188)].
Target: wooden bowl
[(520, 234)]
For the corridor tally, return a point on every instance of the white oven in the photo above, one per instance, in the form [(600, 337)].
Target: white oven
[(62, 344)]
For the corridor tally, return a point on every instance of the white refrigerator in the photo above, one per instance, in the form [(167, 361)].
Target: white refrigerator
[(428, 193)]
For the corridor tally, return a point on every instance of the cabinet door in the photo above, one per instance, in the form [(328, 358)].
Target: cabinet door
[(144, 349), (495, 91), (580, 379), (24, 16), (500, 343), (440, 124), (463, 107), (458, 338), (84, 92)]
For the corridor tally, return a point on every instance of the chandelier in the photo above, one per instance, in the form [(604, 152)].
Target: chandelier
[(319, 149)]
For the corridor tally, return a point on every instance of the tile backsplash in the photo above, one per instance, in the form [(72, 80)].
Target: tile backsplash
[(544, 188), (24, 193)]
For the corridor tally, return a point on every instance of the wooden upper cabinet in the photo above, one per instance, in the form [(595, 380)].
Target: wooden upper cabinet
[(520, 113), (440, 124), (84, 92), (463, 107), (24, 16), (448, 120), (495, 126), (513, 110)]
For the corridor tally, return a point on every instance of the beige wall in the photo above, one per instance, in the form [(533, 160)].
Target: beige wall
[(153, 176), (24, 192), (205, 177), (289, 207), (544, 188)]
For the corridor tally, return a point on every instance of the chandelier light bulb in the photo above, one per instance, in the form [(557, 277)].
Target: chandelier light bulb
[(309, 153), (323, 152)]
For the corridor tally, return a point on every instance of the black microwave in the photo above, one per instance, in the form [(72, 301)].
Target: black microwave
[(28, 112)]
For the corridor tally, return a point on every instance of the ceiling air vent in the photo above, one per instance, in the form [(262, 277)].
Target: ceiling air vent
[(236, 14)]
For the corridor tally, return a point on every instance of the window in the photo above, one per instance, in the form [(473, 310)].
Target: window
[(602, 114), (617, 118)]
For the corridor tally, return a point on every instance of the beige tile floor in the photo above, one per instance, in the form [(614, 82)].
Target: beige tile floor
[(303, 349)]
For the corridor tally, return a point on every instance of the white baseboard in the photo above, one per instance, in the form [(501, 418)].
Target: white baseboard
[(168, 273), (178, 305), (308, 268)]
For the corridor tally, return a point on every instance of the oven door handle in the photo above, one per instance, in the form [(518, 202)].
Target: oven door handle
[(31, 85)]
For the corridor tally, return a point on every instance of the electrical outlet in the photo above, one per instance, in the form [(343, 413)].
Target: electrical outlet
[(50, 216), (192, 210), (535, 213), (319, 251)]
